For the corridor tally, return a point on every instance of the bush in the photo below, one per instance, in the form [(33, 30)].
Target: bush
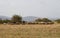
[(23, 22), (5, 21), (46, 20), (58, 20), (38, 20), (1, 21)]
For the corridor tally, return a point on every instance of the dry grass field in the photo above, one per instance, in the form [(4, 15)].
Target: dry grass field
[(30, 31)]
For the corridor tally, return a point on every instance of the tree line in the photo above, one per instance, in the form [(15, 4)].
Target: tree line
[(16, 19)]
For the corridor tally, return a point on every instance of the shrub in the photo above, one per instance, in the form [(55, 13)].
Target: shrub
[(58, 20), (46, 20)]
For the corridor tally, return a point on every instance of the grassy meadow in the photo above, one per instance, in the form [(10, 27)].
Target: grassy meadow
[(30, 31)]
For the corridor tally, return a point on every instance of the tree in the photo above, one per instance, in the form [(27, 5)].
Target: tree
[(46, 20), (16, 19), (43, 20), (38, 20), (5, 21), (1, 21), (58, 20)]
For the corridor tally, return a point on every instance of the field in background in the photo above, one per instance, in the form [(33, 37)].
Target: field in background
[(30, 31)]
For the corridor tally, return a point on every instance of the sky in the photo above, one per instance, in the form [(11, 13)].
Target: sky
[(38, 8)]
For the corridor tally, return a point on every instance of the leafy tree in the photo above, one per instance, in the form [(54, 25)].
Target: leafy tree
[(46, 20), (58, 20), (43, 20), (38, 20), (5, 21), (1, 21), (16, 19)]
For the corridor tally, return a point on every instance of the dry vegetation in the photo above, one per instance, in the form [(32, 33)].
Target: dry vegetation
[(30, 31)]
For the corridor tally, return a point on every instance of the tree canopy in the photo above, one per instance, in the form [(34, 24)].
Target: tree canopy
[(43, 20), (38, 20), (46, 20), (58, 20), (16, 18)]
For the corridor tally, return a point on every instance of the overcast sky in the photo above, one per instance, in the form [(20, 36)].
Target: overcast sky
[(38, 8)]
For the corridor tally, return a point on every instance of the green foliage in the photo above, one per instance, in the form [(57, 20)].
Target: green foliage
[(46, 20), (38, 20), (43, 20), (1, 21), (5, 21), (58, 20), (16, 18)]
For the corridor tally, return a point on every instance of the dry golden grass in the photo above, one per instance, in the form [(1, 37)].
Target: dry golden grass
[(30, 31)]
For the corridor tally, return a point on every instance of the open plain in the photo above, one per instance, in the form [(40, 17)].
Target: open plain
[(30, 31)]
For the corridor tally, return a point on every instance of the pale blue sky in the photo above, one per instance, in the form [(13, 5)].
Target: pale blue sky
[(38, 8)]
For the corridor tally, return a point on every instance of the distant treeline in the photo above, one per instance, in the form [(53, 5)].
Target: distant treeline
[(16, 19)]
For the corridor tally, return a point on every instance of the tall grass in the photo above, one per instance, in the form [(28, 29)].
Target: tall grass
[(30, 31)]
